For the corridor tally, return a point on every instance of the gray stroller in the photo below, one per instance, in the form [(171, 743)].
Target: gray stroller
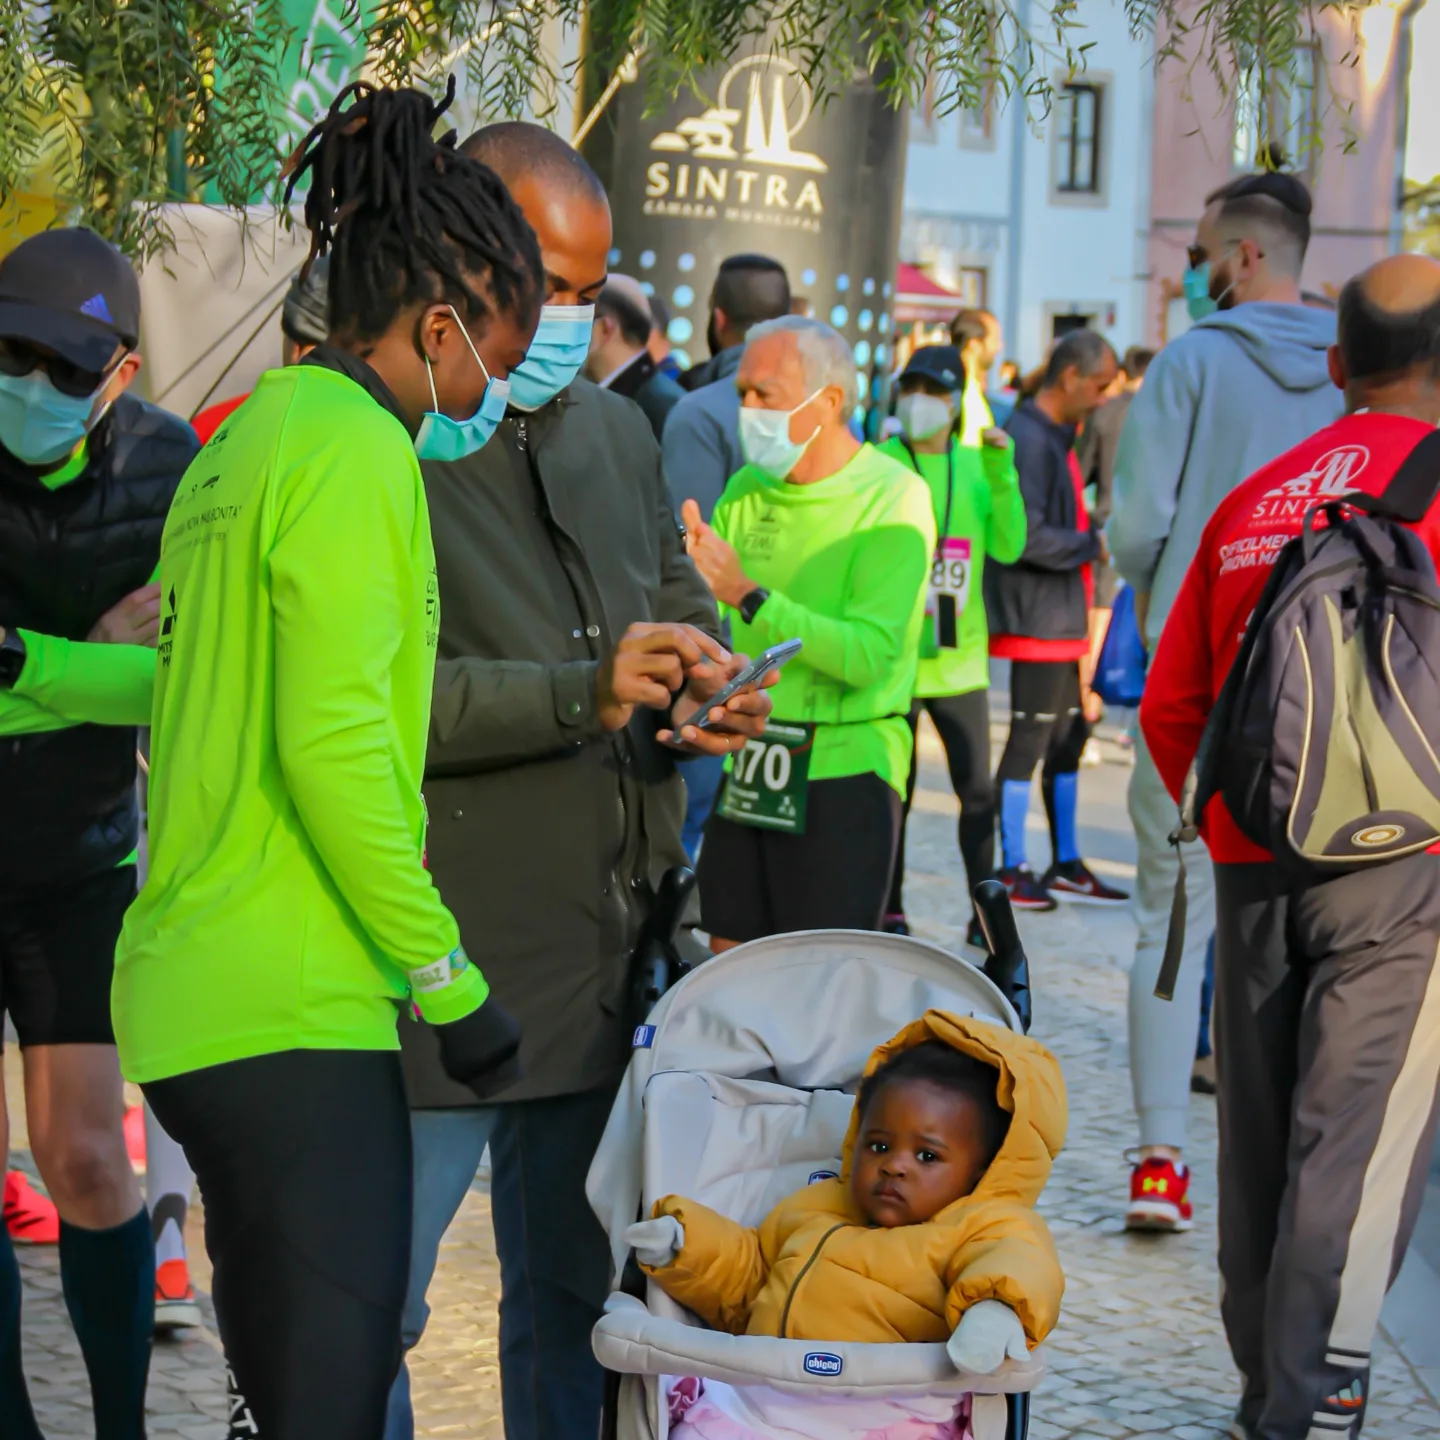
[(739, 1092)]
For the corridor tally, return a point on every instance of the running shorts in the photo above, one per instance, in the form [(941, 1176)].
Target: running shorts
[(57, 957), (836, 876)]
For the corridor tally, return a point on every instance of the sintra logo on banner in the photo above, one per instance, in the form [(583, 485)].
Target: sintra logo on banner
[(705, 186)]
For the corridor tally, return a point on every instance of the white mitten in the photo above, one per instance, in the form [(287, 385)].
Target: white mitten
[(988, 1334), (656, 1242)]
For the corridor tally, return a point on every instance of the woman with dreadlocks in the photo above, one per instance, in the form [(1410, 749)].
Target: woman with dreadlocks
[(288, 916)]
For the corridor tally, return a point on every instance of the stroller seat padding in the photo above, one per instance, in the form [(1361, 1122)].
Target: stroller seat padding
[(739, 1146), (632, 1341)]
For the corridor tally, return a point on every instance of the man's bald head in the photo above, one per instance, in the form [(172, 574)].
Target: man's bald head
[(1389, 320), (624, 300), (517, 150), (561, 197)]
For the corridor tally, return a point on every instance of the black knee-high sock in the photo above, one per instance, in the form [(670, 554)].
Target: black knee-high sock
[(109, 1281), (16, 1416)]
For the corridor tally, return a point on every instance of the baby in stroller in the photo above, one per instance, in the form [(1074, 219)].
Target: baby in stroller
[(929, 1234)]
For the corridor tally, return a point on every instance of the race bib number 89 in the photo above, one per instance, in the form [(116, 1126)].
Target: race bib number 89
[(949, 590)]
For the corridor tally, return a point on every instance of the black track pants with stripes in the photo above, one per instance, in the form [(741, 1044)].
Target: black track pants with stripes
[(1327, 1045)]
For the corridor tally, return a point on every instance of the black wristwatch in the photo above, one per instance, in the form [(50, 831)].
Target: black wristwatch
[(12, 659), (751, 604)]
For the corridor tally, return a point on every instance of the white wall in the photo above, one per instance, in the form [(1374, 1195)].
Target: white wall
[(1074, 253)]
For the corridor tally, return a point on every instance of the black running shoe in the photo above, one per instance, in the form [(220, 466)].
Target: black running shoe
[(1073, 881), (1026, 892)]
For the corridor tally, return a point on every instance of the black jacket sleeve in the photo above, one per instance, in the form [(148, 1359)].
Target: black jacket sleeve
[(1047, 546)]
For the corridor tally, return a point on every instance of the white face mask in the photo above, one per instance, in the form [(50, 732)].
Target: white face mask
[(924, 415), (765, 439)]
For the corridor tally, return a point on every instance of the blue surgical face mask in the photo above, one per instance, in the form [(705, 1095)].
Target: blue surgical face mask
[(440, 437), (1198, 300), (38, 425), (1197, 292), (555, 355)]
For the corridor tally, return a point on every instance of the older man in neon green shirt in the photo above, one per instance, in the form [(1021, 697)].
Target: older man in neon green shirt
[(822, 539)]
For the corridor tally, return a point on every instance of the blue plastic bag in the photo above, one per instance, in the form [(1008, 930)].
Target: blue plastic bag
[(1120, 671)]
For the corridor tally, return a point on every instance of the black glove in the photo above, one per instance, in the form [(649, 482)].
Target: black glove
[(482, 1049)]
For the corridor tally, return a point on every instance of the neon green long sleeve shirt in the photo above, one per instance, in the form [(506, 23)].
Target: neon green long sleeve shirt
[(845, 561), (78, 682), (287, 906), (987, 509)]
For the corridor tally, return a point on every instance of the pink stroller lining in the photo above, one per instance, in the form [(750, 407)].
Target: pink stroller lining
[(711, 1410)]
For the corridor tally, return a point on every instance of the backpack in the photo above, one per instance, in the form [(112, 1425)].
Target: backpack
[(1325, 738)]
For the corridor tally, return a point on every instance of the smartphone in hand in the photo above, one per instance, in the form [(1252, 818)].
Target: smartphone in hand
[(756, 671)]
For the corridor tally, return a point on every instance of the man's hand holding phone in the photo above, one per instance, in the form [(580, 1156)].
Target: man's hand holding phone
[(652, 662), (740, 717)]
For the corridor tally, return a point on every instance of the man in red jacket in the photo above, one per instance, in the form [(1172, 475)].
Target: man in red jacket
[(1327, 1002)]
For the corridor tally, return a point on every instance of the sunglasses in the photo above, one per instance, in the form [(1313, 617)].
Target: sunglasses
[(19, 358)]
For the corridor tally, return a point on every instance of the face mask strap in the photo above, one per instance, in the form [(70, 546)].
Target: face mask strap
[(470, 343), (810, 439)]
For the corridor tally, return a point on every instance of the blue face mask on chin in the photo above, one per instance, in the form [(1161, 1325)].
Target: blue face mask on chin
[(440, 437), (1197, 292), (38, 425), (555, 355)]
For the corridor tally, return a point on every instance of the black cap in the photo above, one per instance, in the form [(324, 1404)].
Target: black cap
[(940, 363), (305, 318), (73, 293)]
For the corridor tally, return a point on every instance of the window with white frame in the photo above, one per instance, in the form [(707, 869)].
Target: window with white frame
[(1077, 121), (1287, 121), (923, 126), (977, 123)]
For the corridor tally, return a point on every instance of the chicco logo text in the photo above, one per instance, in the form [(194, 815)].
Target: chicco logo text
[(819, 1363)]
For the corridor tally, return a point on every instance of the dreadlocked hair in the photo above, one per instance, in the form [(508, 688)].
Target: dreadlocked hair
[(406, 218)]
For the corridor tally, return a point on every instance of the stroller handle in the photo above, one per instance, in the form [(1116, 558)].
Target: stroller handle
[(1006, 964)]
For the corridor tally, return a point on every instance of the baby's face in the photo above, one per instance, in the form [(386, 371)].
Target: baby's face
[(919, 1150)]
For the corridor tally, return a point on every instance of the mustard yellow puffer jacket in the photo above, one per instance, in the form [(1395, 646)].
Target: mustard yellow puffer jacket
[(815, 1270)]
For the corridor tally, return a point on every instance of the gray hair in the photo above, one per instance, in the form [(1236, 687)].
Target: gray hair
[(825, 358), (1087, 350)]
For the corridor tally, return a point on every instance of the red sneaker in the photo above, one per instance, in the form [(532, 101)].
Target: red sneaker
[(175, 1302), (30, 1217), (135, 1137), (1026, 892), (1076, 882), (1159, 1196)]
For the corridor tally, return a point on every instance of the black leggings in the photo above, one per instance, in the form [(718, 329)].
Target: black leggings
[(963, 722), (1045, 720), (303, 1162)]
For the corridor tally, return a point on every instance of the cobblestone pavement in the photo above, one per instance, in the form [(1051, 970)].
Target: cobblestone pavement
[(1139, 1352)]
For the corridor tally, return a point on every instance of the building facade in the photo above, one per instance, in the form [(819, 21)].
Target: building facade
[(1041, 219), (1354, 81), (1082, 216)]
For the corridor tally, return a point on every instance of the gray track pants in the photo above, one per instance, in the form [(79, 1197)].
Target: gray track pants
[(1163, 1033), (1327, 1044)]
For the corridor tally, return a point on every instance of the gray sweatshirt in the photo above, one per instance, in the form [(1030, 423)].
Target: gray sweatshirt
[(1240, 388)]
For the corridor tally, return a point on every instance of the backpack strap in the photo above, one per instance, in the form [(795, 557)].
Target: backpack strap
[(1412, 489), (1203, 782)]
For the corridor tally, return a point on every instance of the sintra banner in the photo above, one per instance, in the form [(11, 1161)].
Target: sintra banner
[(753, 164)]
